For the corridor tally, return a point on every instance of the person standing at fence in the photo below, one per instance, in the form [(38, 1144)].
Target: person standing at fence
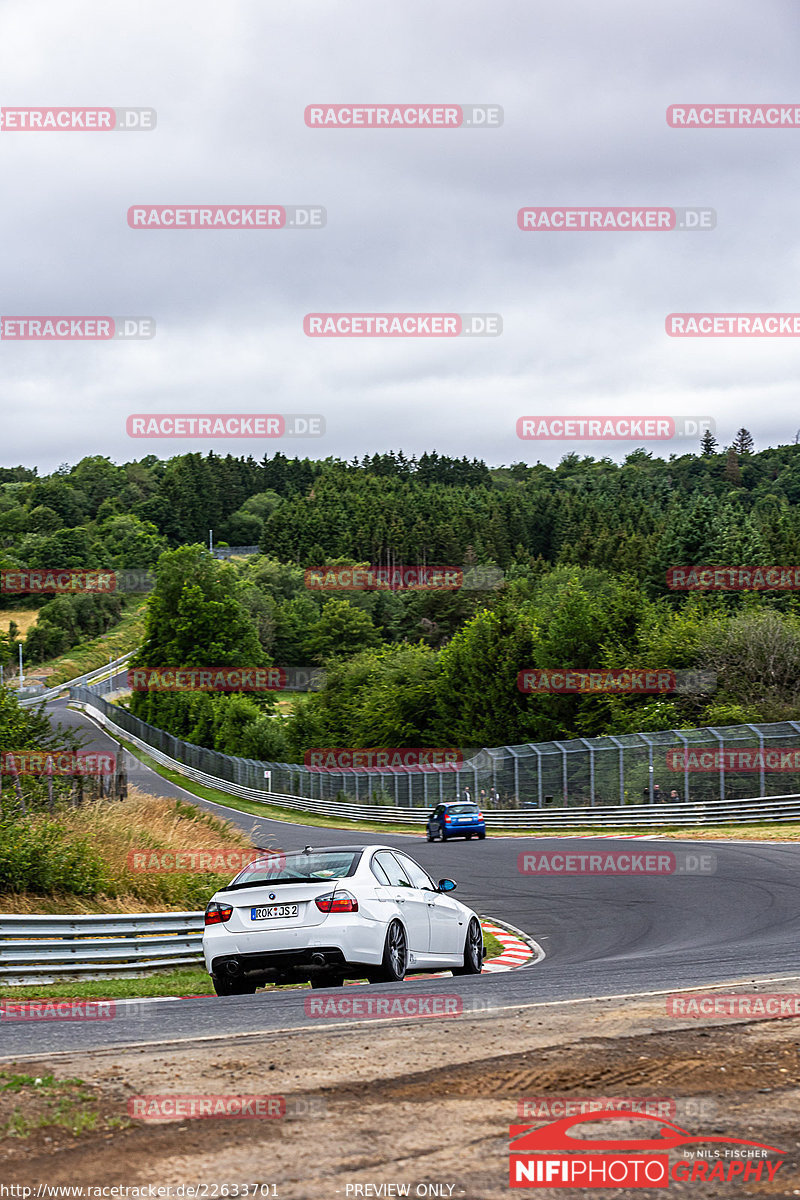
[(467, 796)]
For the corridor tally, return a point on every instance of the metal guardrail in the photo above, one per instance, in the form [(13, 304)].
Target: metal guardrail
[(713, 812), (47, 949), (96, 676)]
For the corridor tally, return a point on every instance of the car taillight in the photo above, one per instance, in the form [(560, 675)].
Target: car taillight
[(480, 816), (447, 816), (216, 913), (334, 902)]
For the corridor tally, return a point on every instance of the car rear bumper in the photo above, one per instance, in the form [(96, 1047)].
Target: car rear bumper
[(352, 939), (266, 965)]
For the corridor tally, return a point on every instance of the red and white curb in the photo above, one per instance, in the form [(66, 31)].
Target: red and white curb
[(516, 951), (519, 950)]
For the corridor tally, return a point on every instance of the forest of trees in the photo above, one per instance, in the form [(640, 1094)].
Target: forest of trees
[(583, 548)]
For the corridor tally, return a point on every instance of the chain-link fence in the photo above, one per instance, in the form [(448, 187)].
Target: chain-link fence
[(700, 765)]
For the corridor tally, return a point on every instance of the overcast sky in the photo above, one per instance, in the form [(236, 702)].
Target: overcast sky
[(417, 221)]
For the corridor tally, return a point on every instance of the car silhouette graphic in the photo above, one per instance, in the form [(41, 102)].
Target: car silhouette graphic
[(558, 1135)]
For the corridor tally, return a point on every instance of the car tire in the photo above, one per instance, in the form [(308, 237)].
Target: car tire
[(225, 986), (327, 981), (395, 956), (482, 836), (473, 951), (469, 837), (431, 838)]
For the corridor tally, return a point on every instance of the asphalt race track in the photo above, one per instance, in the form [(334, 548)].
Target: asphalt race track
[(602, 937)]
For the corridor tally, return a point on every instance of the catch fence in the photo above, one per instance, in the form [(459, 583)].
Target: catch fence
[(697, 766)]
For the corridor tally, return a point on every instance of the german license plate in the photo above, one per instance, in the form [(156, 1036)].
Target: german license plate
[(270, 911)]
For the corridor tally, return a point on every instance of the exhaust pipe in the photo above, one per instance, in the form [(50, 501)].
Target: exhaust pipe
[(233, 967), (318, 960)]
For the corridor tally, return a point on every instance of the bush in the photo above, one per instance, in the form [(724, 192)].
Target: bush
[(34, 857)]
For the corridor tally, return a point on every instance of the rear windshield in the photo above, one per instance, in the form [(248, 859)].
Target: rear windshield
[(316, 867), (472, 809)]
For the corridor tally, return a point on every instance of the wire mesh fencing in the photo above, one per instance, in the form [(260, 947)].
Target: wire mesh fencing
[(692, 765)]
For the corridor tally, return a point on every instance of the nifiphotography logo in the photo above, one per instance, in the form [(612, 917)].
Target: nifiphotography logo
[(581, 1152)]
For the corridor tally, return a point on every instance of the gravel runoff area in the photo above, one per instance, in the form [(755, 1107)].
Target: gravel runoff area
[(425, 1103)]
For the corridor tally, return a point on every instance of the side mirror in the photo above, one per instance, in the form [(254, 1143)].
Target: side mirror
[(447, 885)]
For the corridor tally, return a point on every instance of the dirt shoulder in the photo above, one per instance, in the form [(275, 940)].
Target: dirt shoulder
[(417, 1103)]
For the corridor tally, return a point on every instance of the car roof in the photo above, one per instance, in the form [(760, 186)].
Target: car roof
[(348, 849)]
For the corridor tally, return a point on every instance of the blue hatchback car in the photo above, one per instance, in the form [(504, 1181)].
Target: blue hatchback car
[(457, 818)]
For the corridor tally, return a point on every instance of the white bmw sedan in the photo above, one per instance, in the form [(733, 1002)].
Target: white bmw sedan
[(329, 913)]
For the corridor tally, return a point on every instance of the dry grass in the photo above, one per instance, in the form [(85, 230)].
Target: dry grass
[(25, 619), (141, 822), (68, 905)]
